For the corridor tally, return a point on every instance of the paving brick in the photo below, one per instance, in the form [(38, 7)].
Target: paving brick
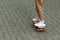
[(16, 20)]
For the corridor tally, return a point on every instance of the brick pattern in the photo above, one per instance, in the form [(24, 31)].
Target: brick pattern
[(16, 20)]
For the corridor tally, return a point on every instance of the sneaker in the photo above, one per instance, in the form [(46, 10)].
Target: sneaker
[(40, 24), (36, 19)]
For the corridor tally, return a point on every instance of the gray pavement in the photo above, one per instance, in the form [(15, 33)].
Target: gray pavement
[(16, 20)]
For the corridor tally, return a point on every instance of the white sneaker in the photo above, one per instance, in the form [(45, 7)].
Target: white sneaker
[(35, 19), (40, 24)]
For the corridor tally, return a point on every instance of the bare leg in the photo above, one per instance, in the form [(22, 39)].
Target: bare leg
[(39, 5)]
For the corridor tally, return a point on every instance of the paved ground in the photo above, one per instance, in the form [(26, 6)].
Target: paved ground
[(16, 20)]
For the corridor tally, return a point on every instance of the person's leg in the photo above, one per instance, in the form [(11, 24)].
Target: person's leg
[(39, 5)]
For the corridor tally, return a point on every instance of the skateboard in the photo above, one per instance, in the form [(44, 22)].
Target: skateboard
[(37, 28)]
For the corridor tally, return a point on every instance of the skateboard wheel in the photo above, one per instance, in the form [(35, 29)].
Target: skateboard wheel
[(44, 29), (38, 29)]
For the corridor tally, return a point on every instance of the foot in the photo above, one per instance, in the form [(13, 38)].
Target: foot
[(40, 24), (35, 20)]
